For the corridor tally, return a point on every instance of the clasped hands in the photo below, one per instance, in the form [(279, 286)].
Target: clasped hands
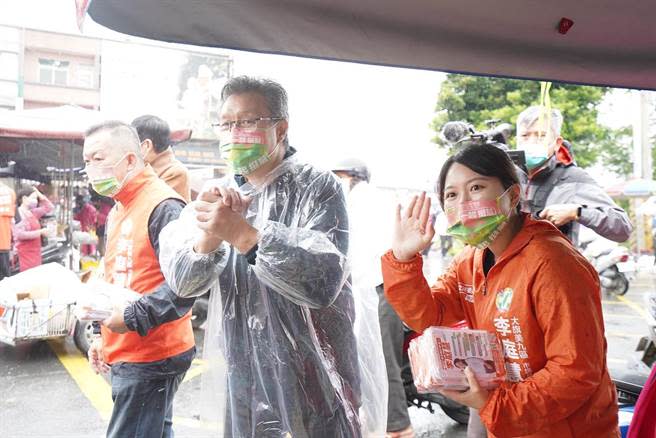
[(220, 215)]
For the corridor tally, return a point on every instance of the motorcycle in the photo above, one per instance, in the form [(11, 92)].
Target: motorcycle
[(453, 410), (647, 345), (613, 262), (630, 382)]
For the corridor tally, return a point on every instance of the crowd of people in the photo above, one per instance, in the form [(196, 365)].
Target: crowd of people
[(293, 254)]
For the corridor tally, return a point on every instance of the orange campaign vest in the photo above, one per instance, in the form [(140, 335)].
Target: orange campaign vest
[(7, 212), (131, 262)]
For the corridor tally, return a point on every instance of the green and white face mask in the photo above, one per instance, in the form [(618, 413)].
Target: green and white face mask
[(480, 222), (247, 149), (103, 179)]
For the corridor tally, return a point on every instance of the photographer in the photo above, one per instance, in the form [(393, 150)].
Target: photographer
[(557, 189)]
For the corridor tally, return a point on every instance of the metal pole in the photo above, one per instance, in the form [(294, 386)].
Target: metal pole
[(642, 163)]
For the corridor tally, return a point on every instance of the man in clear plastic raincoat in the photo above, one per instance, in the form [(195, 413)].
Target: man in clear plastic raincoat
[(275, 235)]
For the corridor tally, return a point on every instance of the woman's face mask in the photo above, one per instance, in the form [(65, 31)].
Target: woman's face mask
[(247, 149), (479, 222), (103, 179)]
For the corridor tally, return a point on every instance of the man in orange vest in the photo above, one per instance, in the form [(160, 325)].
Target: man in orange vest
[(7, 211), (149, 345)]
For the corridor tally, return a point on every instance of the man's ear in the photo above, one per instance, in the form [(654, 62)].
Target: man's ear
[(281, 131), (133, 160), (556, 145), (146, 146)]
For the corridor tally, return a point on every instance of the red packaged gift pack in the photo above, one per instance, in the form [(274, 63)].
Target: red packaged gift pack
[(440, 355)]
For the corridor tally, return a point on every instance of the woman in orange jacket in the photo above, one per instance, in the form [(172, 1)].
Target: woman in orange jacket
[(521, 279)]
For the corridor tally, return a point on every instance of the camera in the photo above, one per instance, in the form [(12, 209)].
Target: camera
[(462, 134)]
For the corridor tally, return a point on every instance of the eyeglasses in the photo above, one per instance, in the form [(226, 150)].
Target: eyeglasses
[(244, 124)]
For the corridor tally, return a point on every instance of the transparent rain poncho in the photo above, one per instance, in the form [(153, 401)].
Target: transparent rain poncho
[(292, 349)]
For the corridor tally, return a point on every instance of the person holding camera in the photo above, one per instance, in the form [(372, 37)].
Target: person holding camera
[(557, 189)]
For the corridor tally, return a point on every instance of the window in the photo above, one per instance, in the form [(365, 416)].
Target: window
[(84, 75), (53, 72)]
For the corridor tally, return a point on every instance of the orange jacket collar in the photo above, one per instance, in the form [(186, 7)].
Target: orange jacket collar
[(530, 229), (133, 186), (561, 156)]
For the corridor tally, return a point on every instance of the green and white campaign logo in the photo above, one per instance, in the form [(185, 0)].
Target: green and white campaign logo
[(504, 298)]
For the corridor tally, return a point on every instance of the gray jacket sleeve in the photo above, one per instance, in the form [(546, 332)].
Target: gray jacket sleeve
[(307, 263), (600, 213)]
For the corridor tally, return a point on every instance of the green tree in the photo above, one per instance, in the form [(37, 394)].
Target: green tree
[(477, 99)]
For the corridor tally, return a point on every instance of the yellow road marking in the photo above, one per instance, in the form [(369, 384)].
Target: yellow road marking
[(92, 385), (633, 305), (196, 371), (99, 392)]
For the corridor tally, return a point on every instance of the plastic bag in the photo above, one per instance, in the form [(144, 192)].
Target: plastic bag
[(97, 300), (84, 238), (280, 336), (49, 281), (439, 356)]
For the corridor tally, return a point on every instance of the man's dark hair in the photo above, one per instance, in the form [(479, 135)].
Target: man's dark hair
[(274, 94), (155, 129), (485, 160)]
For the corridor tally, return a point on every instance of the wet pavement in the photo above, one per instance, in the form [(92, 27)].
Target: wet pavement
[(48, 390)]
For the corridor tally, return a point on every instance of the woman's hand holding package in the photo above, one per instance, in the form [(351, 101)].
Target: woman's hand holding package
[(412, 230), (475, 397), (220, 215)]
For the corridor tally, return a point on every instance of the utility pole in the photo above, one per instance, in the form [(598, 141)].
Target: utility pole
[(642, 165)]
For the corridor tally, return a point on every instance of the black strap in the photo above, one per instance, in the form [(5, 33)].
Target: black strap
[(544, 188), (251, 255)]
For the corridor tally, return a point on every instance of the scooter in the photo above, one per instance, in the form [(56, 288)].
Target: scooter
[(647, 345), (629, 383), (613, 262), (453, 410)]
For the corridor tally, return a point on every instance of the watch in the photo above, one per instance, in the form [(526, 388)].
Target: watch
[(578, 212)]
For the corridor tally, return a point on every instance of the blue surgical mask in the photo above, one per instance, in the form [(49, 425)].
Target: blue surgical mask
[(536, 154)]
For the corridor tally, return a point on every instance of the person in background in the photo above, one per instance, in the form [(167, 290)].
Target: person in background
[(7, 211), (32, 205), (369, 223), (558, 190), (87, 215), (154, 134), (103, 206)]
